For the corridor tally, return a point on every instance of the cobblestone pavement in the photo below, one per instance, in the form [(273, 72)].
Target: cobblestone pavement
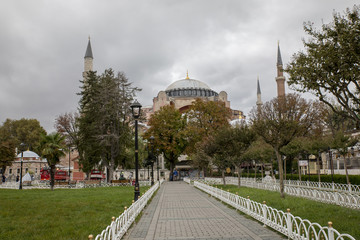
[(180, 211)]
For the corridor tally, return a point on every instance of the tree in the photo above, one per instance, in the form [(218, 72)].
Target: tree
[(14, 132), (260, 151), (167, 126), (342, 143), (204, 118), (52, 146), (227, 146), (329, 67), (104, 132), (283, 119), (26, 131), (7, 154)]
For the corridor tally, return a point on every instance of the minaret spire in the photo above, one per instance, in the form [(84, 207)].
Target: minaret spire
[(258, 102), (280, 79), (88, 60)]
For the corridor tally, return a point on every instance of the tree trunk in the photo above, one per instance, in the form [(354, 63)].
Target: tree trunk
[(52, 177), (281, 173), (223, 176), (318, 168), (346, 171), (248, 170), (285, 169), (239, 177), (262, 170)]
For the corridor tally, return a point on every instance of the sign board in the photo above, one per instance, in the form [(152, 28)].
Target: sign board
[(303, 163)]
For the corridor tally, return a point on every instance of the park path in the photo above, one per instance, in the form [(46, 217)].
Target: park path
[(180, 211)]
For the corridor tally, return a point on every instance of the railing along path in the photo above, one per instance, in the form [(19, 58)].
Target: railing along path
[(291, 226), (344, 199), (46, 185), (121, 224)]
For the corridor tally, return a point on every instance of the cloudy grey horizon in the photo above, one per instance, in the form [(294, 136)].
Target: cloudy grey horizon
[(225, 44)]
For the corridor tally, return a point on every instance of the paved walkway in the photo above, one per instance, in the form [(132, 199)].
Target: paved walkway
[(180, 211)]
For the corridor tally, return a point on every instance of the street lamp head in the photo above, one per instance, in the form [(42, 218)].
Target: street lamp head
[(136, 109)]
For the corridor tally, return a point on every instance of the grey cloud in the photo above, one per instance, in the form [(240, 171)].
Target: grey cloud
[(223, 43)]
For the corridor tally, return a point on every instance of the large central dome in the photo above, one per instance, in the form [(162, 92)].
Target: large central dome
[(189, 88), (187, 83)]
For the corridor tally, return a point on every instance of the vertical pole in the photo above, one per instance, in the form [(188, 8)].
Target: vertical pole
[(137, 187), (152, 173), (332, 168), (21, 166), (157, 167), (69, 163)]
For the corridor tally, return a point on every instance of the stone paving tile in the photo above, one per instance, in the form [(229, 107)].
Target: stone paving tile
[(179, 212)]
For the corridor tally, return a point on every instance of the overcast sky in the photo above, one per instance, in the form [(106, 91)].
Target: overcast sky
[(225, 44)]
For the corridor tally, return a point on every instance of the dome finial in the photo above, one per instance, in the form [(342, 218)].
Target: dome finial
[(187, 74)]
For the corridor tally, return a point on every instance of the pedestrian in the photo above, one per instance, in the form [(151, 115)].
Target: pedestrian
[(3, 178), (17, 178)]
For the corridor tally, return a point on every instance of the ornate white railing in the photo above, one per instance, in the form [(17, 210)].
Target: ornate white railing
[(291, 226), (339, 187), (43, 185), (339, 198), (120, 225)]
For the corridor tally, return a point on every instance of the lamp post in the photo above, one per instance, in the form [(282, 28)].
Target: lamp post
[(22, 146), (331, 166), (157, 163), (136, 110), (152, 139)]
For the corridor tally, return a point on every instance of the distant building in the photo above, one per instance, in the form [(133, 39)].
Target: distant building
[(32, 164)]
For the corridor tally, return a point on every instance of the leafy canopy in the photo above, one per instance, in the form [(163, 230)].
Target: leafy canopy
[(329, 67)]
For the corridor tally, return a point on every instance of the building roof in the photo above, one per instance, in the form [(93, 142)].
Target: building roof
[(188, 83), (28, 154)]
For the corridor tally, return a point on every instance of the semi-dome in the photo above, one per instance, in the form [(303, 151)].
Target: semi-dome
[(189, 88), (28, 154)]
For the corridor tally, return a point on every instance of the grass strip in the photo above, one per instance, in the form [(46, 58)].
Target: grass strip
[(62, 213), (345, 220)]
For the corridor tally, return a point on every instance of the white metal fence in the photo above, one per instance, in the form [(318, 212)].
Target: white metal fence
[(80, 184), (120, 225), (344, 199), (338, 187), (291, 226)]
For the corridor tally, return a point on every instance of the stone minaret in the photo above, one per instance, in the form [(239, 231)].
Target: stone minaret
[(88, 60), (280, 79), (258, 101)]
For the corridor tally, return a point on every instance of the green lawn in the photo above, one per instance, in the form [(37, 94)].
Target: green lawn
[(62, 213), (344, 220)]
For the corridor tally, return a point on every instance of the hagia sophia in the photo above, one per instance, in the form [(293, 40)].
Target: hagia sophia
[(180, 93)]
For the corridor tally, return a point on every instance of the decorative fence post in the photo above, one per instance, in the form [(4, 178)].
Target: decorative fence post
[(331, 232), (264, 213), (113, 226), (248, 204), (288, 223), (90, 237)]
